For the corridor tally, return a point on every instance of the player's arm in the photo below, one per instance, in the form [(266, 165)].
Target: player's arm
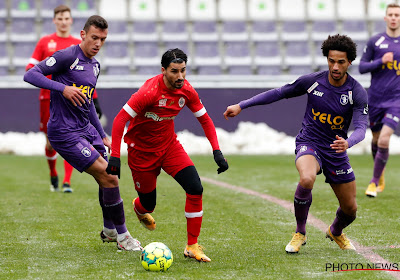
[(54, 64), (367, 64), (125, 115), (293, 89), (97, 104), (94, 120)]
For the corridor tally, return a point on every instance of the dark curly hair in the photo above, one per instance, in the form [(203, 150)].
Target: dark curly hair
[(341, 43), (173, 55)]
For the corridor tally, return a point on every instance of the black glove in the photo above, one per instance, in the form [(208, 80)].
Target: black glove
[(221, 161), (97, 106), (114, 166)]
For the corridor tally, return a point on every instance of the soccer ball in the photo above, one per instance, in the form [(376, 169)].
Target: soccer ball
[(156, 256)]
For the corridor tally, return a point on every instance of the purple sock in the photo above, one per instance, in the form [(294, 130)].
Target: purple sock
[(107, 222), (374, 149), (341, 221), (302, 203), (381, 158), (115, 208)]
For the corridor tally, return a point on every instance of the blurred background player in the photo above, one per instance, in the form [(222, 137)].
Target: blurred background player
[(382, 57), (46, 46), (74, 129), (334, 99), (152, 144)]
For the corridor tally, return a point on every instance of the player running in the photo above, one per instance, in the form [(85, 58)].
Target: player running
[(334, 99), (381, 57), (74, 129), (152, 144), (46, 46)]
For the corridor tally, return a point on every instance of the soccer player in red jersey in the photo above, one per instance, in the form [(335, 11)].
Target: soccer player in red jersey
[(46, 47), (152, 144)]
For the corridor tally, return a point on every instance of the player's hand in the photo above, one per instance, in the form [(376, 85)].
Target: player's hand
[(114, 166), (97, 106), (387, 57), (107, 143), (74, 95), (232, 111), (221, 161), (340, 144)]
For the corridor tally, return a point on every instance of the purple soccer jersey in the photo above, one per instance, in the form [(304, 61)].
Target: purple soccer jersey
[(71, 126), (384, 91), (329, 111)]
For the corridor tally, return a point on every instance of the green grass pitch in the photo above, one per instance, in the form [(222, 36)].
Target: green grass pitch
[(46, 235)]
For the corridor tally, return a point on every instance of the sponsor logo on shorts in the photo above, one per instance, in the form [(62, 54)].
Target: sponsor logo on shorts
[(340, 172), (303, 149), (51, 61), (86, 152), (350, 170), (390, 116)]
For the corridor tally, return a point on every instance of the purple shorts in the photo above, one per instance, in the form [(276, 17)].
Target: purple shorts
[(380, 116), (79, 149), (335, 166)]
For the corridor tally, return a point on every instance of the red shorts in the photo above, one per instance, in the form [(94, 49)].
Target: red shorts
[(145, 166), (44, 114)]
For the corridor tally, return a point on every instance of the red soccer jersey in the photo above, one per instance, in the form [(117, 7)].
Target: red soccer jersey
[(154, 108), (46, 46)]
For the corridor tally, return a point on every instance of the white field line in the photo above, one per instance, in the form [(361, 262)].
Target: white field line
[(366, 252)]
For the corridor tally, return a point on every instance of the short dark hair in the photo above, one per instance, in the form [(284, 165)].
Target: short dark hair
[(392, 5), (171, 55), (61, 9), (97, 21), (341, 43)]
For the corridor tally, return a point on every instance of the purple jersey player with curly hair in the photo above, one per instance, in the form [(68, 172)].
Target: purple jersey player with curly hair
[(334, 100)]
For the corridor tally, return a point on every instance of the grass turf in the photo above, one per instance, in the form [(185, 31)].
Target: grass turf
[(46, 235)]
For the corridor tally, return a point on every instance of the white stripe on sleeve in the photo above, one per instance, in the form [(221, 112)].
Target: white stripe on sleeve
[(33, 61), (200, 112), (194, 214), (129, 110)]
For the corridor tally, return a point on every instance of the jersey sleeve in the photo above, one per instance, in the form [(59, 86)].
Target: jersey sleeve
[(139, 100), (360, 116), (367, 64)]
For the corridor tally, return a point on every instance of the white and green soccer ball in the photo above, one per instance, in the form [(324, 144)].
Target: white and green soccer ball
[(156, 256)]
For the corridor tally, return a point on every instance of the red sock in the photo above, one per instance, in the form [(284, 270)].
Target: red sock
[(51, 160), (194, 216), (68, 172), (139, 207)]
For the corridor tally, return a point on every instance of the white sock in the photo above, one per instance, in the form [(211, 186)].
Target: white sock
[(122, 235)]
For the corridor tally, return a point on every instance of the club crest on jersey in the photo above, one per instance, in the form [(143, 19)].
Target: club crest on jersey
[(86, 152), (344, 99), (96, 70), (162, 102), (51, 61), (74, 64), (52, 46), (181, 102)]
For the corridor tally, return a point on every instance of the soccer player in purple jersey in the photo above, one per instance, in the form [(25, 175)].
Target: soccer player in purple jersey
[(382, 58), (74, 129), (334, 99)]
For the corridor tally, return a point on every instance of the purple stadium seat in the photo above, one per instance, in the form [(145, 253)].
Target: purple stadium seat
[(23, 30), (148, 70), (264, 31), (204, 31), (240, 70), (3, 9), (355, 29), (180, 45), (3, 31), (207, 54), (146, 55), (47, 7), (267, 54), (21, 55), (269, 70), (117, 31), (322, 28), (77, 26), (23, 8), (48, 27), (300, 69), (294, 31), (209, 70), (4, 59), (298, 56), (144, 31), (118, 70), (379, 26), (234, 31), (174, 31), (83, 8)]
